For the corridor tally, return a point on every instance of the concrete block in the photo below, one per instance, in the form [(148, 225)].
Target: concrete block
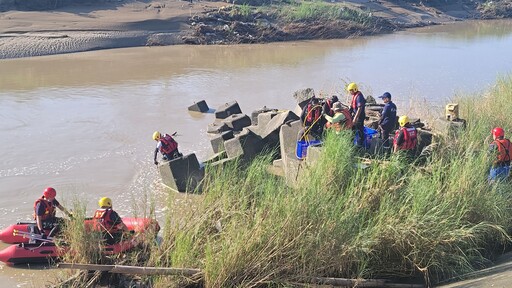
[(218, 140), (448, 128), (200, 106), (246, 145), (264, 119), (227, 109), (277, 121), (237, 121), (278, 163), (215, 157), (217, 127), (183, 174), (288, 140), (255, 114)]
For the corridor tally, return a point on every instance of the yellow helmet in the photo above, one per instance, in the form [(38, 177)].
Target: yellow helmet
[(156, 136), (352, 87), (105, 202), (403, 120)]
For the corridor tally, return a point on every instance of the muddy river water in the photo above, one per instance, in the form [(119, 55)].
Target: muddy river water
[(82, 123)]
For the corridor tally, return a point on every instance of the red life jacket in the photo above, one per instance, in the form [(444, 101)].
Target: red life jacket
[(103, 221), (504, 146), (49, 209), (410, 138), (313, 113), (354, 101), (168, 144)]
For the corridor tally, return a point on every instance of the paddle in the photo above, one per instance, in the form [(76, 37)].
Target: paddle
[(32, 236)]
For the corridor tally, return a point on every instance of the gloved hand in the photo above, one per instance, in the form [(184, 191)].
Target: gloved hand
[(156, 162), (132, 232), (43, 236)]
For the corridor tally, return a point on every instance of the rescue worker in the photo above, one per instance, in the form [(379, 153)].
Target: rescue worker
[(387, 119), (44, 213), (328, 105), (108, 222), (406, 137), (311, 118), (500, 169), (357, 109), (341, 119), (167, 146)]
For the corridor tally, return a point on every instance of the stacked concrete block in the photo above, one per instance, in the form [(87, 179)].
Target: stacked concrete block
[(218, 141), (424, 139), (237, 122), (217, 127), (245, 145), (270, 133), (448, 128), (225, 110), (314, 153), (288, 145), (200, 106), (183, 174), (255, 114)]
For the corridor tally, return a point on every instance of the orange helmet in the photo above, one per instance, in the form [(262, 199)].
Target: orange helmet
[(498, 132), (49, 193)]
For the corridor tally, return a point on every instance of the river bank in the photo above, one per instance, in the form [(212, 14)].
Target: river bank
[(106, 25)]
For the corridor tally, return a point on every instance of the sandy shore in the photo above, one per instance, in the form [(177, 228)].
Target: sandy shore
[(84, 28), (132, 23)]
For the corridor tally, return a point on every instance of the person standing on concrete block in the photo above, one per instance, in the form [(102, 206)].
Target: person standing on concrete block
[(311, 118), (387, 119), (406, 137), (167, 146), (501, 146), (341, 120), (357, 108)]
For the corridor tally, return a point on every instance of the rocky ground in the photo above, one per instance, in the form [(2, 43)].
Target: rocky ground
[(128, 23)]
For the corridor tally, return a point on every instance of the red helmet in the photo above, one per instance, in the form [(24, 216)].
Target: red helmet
[(498, 132), (49, 193)]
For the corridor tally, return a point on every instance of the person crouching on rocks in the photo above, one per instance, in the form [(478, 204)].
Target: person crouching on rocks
[(167, 146), (341, 119), (108, 222), (406, 137)]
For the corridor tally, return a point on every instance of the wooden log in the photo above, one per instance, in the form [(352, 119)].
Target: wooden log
[(122, 269), (361, 283)]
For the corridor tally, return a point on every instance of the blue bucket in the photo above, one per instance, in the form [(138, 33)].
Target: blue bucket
[(368, 135), (302, 148)]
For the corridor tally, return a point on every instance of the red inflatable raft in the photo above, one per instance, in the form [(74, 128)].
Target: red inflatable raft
[(135, 224), (46, 250)]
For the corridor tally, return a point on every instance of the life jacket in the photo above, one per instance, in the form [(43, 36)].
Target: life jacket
[(168, 144), (342, 125), (410, 138), (49, 209), (313, 113), (353, 105), (103, 221), (504, 146)]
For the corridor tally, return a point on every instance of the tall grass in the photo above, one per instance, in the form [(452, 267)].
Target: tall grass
[(390, 220), (306, 11)]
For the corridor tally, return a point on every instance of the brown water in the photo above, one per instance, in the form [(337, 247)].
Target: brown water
[(82, 123)]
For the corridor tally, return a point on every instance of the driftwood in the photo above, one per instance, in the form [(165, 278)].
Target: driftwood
[(122, 269), (361, 283)]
